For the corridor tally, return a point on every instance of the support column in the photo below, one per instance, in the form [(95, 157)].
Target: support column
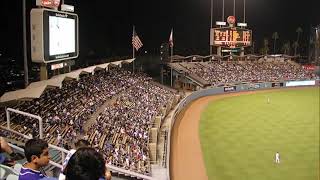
[(8, 119), (242, 52), (171, 77), (43, 72), (219, 51)]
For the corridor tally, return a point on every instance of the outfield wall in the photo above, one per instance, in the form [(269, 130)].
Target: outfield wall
[(229, 89)]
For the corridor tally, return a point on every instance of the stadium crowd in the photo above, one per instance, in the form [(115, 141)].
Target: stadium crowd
[(121, 132), (126, 123), (224, 72)]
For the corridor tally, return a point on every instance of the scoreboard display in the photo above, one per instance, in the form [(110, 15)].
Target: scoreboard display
[(54, 35), (230, 37)]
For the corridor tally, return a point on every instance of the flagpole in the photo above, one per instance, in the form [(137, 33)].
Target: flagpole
[(171, 53), (171, 47), (133, 51), (171, 62)]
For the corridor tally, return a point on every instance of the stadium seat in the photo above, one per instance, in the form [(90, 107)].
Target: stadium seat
[(17, 167), (12, 177), (2, 173), (5, 171)]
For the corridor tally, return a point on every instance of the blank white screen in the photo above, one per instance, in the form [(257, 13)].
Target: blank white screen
[(61, 35)]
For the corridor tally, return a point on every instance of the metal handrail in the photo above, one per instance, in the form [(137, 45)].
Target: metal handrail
[(117, 169), (124, 171), (25, 114)]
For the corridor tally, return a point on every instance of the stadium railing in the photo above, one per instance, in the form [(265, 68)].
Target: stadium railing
[(58, 152), (59, 164)]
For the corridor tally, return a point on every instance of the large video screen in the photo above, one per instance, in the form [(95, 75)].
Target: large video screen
[(54, 35), (61, 35)]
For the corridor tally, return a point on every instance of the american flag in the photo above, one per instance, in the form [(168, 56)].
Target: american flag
[(171, 39), (136, 42)]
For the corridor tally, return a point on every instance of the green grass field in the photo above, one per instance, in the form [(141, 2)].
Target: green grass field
[(240, 136)]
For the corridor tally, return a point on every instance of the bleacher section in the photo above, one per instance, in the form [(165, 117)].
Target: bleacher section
[(121, 132), (220, 73)]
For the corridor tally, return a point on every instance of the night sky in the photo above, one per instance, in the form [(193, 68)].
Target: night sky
[(106, 26)]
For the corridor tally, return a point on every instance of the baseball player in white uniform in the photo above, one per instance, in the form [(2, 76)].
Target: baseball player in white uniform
[(277, 158)]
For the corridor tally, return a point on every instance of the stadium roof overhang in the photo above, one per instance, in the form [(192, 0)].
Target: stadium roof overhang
[(23, 94), (36, 89)]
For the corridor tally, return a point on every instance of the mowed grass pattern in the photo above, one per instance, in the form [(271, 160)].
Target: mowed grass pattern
[(240, 136)]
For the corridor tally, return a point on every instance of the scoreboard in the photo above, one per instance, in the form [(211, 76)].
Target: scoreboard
[(230, 37), (54, 35)]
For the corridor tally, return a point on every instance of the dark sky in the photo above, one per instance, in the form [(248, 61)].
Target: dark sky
[(106, 26)]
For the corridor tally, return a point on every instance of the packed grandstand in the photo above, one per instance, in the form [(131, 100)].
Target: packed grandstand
[(115, 109), (222, 73), (130, 103)]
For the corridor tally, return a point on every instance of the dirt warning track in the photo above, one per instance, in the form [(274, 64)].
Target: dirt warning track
[(186, 158)]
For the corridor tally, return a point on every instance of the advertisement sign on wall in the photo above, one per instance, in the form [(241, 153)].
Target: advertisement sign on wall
[(278, 84), (300, 83), (254, 86), (230, 89)]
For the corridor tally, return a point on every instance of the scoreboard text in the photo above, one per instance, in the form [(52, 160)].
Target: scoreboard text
[(230, 37)]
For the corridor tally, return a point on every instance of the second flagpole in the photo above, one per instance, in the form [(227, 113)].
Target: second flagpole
[(171, 45), (133, 51)]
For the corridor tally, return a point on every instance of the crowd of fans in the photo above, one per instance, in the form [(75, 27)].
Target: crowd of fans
[(224, 72), (126, 123), (121, 132)]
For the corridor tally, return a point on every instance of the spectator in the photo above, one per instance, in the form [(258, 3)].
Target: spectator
[(37, 154), (4, 147), (79, 144), (85, 164)]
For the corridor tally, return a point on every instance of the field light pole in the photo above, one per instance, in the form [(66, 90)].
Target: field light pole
[(25, 60), (234, 8), (222, 19), (244, 11), (211, 25), (317, 45)]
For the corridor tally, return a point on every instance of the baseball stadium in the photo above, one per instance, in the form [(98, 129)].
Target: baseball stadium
[(229, 115)]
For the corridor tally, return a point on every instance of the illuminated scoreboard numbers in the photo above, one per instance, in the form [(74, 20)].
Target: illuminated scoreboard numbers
[(231, 37)]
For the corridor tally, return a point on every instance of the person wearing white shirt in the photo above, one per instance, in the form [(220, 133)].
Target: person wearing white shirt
[(79, 144), (277, 158)]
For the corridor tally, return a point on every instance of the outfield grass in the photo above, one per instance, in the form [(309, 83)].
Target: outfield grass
[(240, 136)]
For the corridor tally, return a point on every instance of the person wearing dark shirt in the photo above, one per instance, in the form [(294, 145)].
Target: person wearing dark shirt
[(37, 154), (86, 164), (79, 144)]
